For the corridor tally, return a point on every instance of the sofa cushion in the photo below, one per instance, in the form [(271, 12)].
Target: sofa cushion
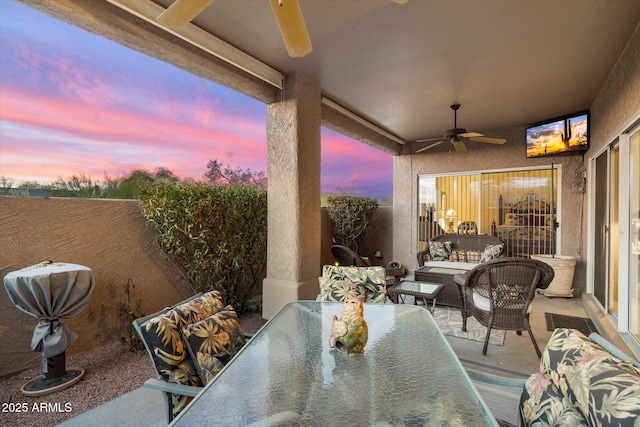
[(491, 252), (162, 332), (439, 251), (501, 293), (371, 279), (603, 388), (453, 265), (212, 342)]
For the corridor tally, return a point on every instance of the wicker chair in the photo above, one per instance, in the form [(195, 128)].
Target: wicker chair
[(347, 257), (499, 294)]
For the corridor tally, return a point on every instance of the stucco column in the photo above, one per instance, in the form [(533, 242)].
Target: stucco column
[(293, 247)]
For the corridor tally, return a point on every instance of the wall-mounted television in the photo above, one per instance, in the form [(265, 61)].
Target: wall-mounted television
[(565, 134)]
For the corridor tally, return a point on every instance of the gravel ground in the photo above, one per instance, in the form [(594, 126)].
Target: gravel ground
[(110, 371)]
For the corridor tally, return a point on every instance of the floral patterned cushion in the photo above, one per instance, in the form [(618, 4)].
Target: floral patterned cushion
[(336, 288), (580, 384), (439, 251), (491, 252), (212, 342), (162, 333), (185, 374), (340, 280)]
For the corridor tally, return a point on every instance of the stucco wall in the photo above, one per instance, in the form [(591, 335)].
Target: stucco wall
[(112, 238), (619, 99), (108, 236)]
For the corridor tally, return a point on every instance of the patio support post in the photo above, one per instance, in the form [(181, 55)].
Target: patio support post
[(293, 244)]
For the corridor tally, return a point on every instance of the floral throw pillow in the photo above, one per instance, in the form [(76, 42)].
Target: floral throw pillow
[(440, 251), (162, 333), (212, 342), (491, 252)]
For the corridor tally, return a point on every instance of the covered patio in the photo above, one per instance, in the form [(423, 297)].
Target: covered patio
[(385, 74)]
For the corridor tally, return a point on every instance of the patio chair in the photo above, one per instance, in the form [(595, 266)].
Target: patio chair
[(347, 257), (184, 359), (341, 282), (499, 294)]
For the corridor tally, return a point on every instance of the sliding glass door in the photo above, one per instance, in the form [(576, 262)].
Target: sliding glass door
[(634, 234), (607, 229), (601, 228), (518, 206)]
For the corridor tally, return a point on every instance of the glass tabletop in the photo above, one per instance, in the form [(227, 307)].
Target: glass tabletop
[(288, 375), (422, 287)]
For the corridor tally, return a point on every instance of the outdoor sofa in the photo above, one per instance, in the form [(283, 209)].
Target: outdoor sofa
[(449, 254)]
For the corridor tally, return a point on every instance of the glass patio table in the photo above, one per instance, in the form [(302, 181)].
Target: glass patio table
[(288, 375)]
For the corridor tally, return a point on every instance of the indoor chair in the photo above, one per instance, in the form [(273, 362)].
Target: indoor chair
[(467, 227)]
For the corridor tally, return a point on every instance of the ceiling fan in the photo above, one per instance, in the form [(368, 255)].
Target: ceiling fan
[(287, 13), (457, 136)]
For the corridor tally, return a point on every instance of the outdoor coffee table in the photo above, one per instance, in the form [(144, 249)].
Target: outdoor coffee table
[(425, 290), (288, 375)]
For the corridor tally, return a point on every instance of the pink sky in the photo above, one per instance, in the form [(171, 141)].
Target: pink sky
[(72, 102)]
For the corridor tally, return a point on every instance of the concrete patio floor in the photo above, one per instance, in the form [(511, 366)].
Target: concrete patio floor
[(517, 358)]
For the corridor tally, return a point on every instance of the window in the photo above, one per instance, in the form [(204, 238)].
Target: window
[(518, 206)]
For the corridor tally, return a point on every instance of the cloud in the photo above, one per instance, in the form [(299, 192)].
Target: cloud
[(72, 102)]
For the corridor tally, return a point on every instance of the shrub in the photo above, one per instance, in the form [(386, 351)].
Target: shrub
[(217, 235), (351, 215)]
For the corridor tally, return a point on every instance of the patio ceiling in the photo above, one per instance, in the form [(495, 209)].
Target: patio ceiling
[(400, 67), (508, 63)]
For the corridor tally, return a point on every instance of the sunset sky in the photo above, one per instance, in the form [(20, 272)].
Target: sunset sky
[(75, 103)]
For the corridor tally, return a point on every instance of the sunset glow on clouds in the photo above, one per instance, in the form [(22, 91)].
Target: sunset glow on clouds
[(72, 102)]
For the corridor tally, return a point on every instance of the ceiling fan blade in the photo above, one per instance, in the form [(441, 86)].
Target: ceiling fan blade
[(459, 146), (429, 146), (470, 134), (428, 139), (182, 12), (487, 140), (292, 27)]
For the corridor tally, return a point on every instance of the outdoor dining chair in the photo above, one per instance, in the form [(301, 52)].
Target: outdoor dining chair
[(185, 353), (499, 294)]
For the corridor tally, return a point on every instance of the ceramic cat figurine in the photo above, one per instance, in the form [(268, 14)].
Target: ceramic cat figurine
[(349, 335)]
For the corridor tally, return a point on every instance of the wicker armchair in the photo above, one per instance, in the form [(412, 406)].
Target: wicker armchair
[(499, 294), (347, 257)]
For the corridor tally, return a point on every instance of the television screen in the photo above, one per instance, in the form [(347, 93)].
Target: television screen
[(562, 135)]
